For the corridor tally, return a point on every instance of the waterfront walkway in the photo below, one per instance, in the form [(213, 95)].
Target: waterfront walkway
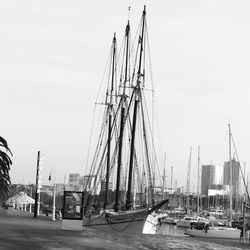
[(19, 230)]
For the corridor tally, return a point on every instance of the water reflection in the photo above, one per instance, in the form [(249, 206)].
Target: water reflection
[(178, 240), (171, 230)]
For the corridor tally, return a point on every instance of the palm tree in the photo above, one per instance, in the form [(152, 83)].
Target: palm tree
[(5, 163)]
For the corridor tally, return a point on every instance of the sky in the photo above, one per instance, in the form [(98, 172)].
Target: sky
[(52, 57)]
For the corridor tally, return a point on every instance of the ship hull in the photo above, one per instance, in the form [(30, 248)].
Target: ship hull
[(129, 221), (215, 232)]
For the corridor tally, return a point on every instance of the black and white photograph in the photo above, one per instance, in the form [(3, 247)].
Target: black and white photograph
[(125, 124)]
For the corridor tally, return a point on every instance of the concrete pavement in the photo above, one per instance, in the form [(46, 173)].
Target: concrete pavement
[(19, 230)]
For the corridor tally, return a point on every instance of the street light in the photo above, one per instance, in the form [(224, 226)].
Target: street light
[(54, 195)]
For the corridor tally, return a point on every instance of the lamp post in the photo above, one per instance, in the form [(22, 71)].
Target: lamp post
[(54, 195)]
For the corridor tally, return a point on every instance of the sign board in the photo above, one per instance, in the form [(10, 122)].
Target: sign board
[(72, 205), (72, 210)]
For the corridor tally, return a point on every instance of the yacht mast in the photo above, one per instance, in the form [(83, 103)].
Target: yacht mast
[(172, 180), (230, 176), (198, 182), (188, 178)]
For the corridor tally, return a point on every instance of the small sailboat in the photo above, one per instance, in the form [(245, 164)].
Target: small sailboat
[(215, 232), (188, 220), (123, 152)]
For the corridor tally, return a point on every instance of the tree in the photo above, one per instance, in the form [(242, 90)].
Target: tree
[(5, 163)]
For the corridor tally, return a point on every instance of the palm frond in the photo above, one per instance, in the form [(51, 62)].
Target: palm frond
[(4, 144), (5, 163)]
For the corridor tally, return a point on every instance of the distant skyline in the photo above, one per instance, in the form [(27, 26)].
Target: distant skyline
[(53, 55)]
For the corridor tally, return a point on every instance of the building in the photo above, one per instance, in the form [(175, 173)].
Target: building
[(216, 179), (60, 188), (235, 176), (211, 179), (74, 179), (103, 185), (21, 201), (87, 181), (80, 183), (205, 178)]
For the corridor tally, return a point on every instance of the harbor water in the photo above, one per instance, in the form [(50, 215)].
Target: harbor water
[(172, 237), (171, 230), (167, 237)]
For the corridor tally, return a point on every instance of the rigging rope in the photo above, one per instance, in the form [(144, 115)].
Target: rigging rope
[(241, 170), (90, 139), (110, 223)]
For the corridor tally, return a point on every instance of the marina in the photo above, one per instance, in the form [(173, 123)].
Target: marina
[(155, 156)]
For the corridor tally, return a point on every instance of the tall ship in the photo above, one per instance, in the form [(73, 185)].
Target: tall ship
[(119, 194)]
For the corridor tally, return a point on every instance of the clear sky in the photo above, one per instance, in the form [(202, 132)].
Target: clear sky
[(53, 54)]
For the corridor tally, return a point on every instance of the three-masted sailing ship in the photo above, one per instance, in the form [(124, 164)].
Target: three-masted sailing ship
[(125, 154)]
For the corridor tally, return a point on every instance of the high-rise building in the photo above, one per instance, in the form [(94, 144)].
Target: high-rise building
[(211, 178), (216, 180), (235, 175), (205, 178)]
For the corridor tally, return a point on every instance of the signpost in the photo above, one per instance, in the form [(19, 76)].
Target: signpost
[(38, 186)]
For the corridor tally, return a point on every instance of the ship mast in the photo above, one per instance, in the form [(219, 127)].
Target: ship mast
[(123, 101), (110, 107), (137, 90), (164, 176)]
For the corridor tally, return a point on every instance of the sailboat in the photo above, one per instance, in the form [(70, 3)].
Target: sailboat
[(217, 231), (123, 152)]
